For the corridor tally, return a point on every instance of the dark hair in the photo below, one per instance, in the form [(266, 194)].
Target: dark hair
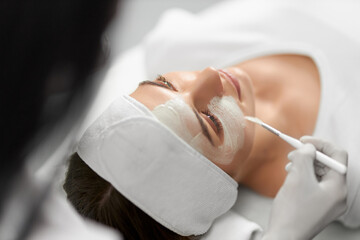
[(97, 199)]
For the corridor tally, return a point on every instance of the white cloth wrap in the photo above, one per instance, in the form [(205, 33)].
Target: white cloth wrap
[(155, 169)]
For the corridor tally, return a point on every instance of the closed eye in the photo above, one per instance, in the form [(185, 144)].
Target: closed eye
[(213, 121)]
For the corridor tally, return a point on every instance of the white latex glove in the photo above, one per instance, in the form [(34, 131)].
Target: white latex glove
[(305, 203)]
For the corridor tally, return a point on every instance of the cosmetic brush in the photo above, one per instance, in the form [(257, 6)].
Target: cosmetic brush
[(326, 160)]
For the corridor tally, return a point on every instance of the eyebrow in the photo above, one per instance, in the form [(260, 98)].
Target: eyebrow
[(148, 82), (203, 126)]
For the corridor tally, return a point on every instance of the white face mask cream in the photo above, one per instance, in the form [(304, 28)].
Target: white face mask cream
[(180, 118)]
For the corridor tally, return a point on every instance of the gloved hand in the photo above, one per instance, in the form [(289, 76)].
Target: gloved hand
[(305, 204)]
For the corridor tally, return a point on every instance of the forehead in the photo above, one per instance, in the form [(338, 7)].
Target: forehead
[(152, 96)]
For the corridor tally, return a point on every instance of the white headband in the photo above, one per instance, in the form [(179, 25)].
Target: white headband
[(155, 169)]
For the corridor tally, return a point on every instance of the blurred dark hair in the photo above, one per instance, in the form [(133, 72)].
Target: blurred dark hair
[(95, 198), (48, 50)]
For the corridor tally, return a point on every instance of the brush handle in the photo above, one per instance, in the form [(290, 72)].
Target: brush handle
[(328, 161)]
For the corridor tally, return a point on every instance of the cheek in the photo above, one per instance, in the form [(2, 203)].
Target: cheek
[(226, 155), (237, 165), (243, 154), (221, 155)]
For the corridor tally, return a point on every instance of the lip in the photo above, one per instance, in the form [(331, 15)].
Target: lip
[(233, 81)]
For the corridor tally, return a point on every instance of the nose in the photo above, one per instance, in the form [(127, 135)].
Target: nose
[(206, 85)]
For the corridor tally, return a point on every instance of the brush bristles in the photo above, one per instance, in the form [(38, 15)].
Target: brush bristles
[(254, 120), (264, 125)]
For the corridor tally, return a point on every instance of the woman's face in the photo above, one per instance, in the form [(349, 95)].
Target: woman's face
[(206, 109)]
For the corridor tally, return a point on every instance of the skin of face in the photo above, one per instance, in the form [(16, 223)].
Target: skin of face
[(197, 89)]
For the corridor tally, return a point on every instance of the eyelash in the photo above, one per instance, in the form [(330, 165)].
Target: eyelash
[(165, 82), (214, 119)]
